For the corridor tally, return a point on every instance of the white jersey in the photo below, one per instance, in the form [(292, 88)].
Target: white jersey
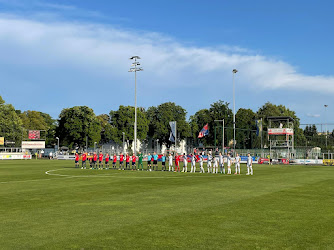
[(221, 160), (229, 161), (249, 160), (201, 158), (185, 161), (170, 160), (209, 158), (237, 160)]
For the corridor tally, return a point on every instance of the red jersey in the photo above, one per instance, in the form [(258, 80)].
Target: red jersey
[(95, 157), (100, 157), (76, 157), (177, 159), (84, 157), (133, 158), (121, 158), (115, 158), (107, 158), (127, 158)]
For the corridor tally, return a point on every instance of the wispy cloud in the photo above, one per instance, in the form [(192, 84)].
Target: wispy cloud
[(88, 49), (313, 115)]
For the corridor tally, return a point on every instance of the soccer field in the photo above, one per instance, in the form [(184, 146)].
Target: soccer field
[(279, 207)]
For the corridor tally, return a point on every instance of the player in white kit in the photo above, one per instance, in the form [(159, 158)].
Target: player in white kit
[(249, 165), (201, 159), (170, 162), (193, 163), (185, 162), (229, 161), (215, 163), (209, 162), (221, 163), (237, 164)]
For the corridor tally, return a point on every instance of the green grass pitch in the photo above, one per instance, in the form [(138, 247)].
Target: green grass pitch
[(279, 207)]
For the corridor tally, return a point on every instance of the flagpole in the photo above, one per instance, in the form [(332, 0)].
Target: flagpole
[(175, 136)]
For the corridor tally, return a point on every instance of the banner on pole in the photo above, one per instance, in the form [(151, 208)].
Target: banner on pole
[(204, 131), (2, 141), (172, 135), (259, 127)]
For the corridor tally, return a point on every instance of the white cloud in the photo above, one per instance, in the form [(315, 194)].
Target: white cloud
[(313, 115), (102, 49)]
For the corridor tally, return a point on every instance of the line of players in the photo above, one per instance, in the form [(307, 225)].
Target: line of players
[(215, 162)]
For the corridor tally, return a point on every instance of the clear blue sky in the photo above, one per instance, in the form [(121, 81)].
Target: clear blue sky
[(57, 54)]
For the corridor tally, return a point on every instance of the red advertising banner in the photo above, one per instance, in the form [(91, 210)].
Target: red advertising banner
[(34, 134)]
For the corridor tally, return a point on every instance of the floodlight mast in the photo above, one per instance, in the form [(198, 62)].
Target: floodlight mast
[(234, 71), (326, 122), (135, 69)]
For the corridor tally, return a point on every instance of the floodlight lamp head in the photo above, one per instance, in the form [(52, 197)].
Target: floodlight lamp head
[(234, 71), (134, 57), (326, 105)]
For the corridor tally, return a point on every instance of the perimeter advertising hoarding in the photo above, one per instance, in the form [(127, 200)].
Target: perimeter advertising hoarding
[(33, 144), (280, 131)]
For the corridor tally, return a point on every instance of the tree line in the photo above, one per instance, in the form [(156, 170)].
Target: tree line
[(79, 125)]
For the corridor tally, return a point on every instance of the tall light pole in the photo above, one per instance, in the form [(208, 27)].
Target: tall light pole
[(123, 141), (135, 69), (326, 122), (234, 71), (58, 143)]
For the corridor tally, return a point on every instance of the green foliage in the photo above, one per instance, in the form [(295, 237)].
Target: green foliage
[(36, 120), (10, 123), (159, 118), (108, 132), (269, 109), (245, 134), (218, 111), (123, 119), (75, 124)]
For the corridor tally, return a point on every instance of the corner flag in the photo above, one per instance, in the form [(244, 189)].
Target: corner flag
[(204, 131)]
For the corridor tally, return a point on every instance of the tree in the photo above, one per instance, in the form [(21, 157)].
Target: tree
[(10, 123), (108, 132), (75, 124), (245, 132), (218, 111), (122, 120), (269, 109), (36, 120), (159, 118)]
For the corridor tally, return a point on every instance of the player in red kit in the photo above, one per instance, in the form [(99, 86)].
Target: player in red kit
[(134, 162), (127, 161), (100, 160), (177, 162), (84, 158), (94, 160), (114, 161), (76, 160), (121, 160), (106, 161)]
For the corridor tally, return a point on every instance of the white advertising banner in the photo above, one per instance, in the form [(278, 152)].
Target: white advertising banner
[(33, 144), (280, 131), (8, 156)]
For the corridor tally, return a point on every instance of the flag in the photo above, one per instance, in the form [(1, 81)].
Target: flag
[(204, 131), (172, 134), (259, 127)]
